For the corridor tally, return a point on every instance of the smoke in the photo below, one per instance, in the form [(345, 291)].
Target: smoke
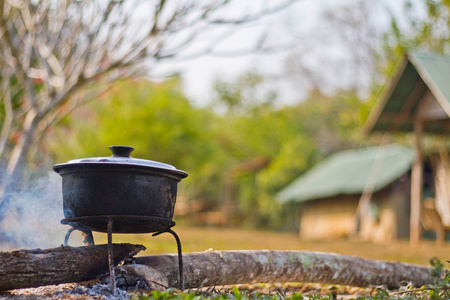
[(34, 215)]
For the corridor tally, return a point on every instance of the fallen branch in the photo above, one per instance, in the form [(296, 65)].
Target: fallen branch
[(216, 268), (33, 268)]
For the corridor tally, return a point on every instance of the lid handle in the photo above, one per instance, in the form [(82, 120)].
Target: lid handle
[(121, 151)]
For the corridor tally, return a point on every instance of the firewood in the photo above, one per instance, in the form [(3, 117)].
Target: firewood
[(33, 268), (154, 279), (217, 268)]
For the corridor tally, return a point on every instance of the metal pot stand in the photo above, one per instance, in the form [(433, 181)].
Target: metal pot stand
[(122, 224)]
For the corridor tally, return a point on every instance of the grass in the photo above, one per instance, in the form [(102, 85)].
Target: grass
[(436, 293), (195, 239)]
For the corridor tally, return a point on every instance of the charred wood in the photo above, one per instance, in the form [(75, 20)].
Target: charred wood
[(33, 268)]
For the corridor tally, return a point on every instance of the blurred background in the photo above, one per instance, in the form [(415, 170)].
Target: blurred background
[(247, 98)]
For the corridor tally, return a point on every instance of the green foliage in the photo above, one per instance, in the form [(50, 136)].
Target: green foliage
[(248, 93), (292, 138), (223, 294), (158, 121), (251, 148), (424, 33), (11, 104), (424, 26), (437, 291)]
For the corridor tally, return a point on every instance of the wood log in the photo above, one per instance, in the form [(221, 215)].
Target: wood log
[(217, 268), (33, 268)]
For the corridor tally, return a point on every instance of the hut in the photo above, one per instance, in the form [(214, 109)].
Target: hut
[(417, 100), (337, 203), (329, 195)]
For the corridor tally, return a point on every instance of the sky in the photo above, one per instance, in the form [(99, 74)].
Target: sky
[(199, 74)]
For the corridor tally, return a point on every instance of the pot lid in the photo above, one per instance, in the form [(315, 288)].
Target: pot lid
[(121, 156)]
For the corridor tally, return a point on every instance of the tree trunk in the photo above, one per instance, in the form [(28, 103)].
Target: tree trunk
[(217, 268), (33, 268), (13, 176)]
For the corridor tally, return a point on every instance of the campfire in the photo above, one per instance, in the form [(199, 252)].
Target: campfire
[(120, 194)]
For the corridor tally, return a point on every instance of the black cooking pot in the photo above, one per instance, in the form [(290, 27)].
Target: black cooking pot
[(136, 192)]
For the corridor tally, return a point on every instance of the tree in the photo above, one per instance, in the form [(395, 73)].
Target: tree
[(251, 139), (340, 51), (266, 146), (58, 55), (429, 32), (239, 152), (158, 121)]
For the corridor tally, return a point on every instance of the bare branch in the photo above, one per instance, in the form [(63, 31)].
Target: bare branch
[(258, 47), (62, 98), (56, 23), (158, 10), (49, 58), (15, 59), (251, 18), (57, 116), (56, 50), (9, 113)]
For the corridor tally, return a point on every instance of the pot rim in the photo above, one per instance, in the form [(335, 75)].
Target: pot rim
[(130, 168), (120, 159)]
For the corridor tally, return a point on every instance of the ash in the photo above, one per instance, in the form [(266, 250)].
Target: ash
[(68, 291), (102, 290)]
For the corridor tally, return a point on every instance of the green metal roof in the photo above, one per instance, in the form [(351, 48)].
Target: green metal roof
[(349, 172), (417, 75)]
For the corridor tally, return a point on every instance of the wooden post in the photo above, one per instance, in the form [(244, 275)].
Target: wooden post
[(416, 185)]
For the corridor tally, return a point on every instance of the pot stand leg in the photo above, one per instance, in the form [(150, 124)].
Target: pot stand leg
[(88, 237), (180, 255), (112, 275), (66, 239)]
